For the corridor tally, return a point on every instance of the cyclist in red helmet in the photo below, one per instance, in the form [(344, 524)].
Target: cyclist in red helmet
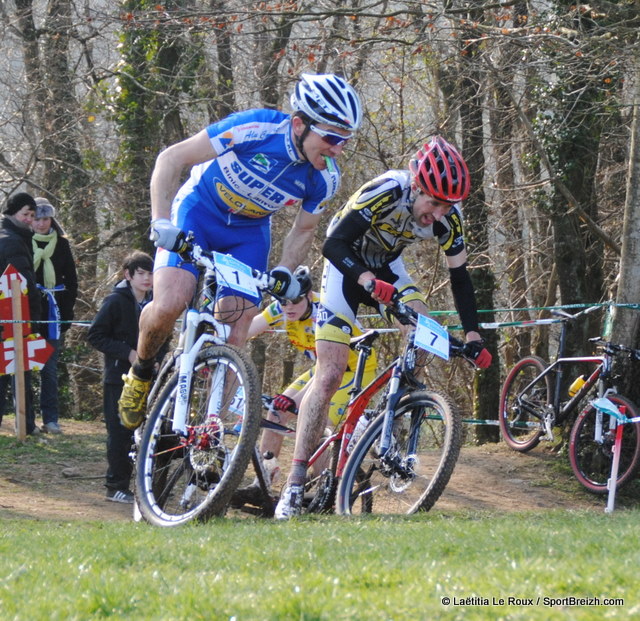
[(363, 266)]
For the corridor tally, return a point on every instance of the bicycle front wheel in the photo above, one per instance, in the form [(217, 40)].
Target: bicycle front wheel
[(521, 411), (181, 479), (427, 434), (591, 454)]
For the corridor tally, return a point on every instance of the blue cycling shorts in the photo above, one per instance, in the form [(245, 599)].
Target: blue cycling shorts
[(248, 240)]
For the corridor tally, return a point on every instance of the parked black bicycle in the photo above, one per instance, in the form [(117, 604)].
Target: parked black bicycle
[(532, 404)]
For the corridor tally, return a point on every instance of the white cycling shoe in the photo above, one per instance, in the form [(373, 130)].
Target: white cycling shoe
[(290, 503)]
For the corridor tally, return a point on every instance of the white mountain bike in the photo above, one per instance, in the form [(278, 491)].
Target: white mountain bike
[(204, 408)]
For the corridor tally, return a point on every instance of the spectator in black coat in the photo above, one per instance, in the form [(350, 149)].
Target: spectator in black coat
[(15, 249), (58, 282), (114, 332)]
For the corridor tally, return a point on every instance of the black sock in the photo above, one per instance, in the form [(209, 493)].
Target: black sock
[(143, 369)]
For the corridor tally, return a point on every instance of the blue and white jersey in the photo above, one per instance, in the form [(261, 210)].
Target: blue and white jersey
[(257, 171)]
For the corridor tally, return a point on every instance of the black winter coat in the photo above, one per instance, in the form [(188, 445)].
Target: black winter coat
[(16, 249), (114, 331)]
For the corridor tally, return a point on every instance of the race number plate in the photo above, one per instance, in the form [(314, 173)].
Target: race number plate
[(235, 274), (432, 337)]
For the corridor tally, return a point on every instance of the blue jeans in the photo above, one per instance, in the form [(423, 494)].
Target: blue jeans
[(49, 386)]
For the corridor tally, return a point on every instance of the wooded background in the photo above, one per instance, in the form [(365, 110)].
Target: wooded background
[(541, 98)]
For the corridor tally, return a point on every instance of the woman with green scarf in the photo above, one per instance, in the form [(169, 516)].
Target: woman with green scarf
[(58, 282)]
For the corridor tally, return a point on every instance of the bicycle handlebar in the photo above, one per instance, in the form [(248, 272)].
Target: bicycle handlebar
[(615, 348), (194, 253), (409, 316)]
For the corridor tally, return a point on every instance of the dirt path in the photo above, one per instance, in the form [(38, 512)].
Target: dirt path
[(489, 477)]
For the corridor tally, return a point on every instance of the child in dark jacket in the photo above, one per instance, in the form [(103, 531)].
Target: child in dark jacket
[(114, 332)]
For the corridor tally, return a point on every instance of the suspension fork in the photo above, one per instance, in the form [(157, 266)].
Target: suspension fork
[(393, 398), (186, 363)]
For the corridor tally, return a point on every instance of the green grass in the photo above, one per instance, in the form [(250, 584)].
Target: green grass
[(315, 568), (51, 450), (322, 568)]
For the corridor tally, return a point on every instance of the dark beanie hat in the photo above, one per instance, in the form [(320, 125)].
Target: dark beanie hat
[(18, 201)]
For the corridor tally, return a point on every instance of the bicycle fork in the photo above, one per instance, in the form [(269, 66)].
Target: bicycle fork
[(389, 413), (186, 365)]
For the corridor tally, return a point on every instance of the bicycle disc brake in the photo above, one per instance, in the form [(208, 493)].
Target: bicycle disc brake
[(207, 453), (400, 470)]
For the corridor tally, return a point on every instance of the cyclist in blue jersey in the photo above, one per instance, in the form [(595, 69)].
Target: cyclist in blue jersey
[(243, 169)]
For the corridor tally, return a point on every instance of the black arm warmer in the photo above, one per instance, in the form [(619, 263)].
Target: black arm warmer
[(464, 297), (337, 248)]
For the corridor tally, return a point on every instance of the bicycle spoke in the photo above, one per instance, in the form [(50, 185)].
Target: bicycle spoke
[(522, 405), (415, 470), (591, 448), (179, 479)]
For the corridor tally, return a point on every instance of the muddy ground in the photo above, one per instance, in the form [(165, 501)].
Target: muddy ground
[(487, 478)]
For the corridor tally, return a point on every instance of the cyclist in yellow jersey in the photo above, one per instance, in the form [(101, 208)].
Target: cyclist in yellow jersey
[(298, 318)]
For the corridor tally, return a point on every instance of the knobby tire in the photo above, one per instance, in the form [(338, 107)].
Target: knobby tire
[(520, 429), (368, 486), (181, 480), (591, 461)]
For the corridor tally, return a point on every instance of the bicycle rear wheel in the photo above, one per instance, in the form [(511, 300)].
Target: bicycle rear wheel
[(426, 420), (521, 412), (591, 459), (181, 479)]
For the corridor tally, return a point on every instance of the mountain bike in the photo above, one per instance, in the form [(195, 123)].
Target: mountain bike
[(426, 430), (531, 405), (192, 451), (406, 454), (605, 420)]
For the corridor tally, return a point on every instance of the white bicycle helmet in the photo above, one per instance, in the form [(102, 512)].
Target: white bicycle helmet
[(327, 98)]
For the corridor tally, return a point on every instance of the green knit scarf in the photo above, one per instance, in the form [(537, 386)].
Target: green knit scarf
[(43, 255)]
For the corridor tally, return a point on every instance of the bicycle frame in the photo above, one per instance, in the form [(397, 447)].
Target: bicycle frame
[(189, 346), (355, 409), (559, 410)]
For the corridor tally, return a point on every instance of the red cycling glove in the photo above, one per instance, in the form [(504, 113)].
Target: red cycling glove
[(476, 351), (383, 291), (283, 403)]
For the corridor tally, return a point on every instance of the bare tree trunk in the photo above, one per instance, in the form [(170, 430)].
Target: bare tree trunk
[(626, 321), (224, 101), (517, 342), (487, 383), (65, 179)]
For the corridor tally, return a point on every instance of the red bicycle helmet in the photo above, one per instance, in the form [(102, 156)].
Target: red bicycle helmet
[(439, 170)]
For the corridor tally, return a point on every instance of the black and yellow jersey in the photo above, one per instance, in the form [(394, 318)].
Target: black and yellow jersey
[(376, 225)]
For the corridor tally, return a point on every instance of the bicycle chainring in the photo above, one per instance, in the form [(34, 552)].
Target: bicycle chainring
[(325, 492)]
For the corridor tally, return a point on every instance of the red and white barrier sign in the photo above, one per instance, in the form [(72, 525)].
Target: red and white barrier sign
[(36, 350), (20, 350)]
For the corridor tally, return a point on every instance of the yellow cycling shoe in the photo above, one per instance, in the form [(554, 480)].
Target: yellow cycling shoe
[(132, 404)]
